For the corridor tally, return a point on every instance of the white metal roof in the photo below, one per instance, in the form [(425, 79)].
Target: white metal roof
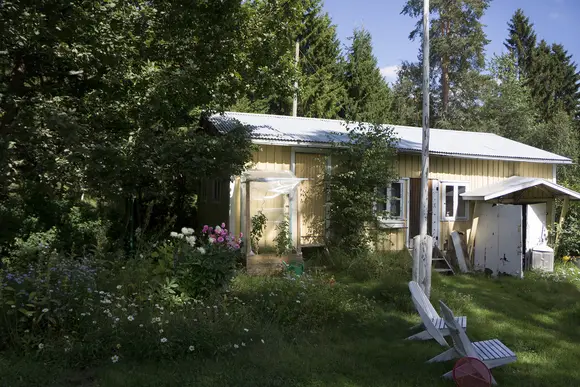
[(518, 183), (286, 130)]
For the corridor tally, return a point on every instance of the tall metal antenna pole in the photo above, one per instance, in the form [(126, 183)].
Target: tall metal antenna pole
[(295, 101)]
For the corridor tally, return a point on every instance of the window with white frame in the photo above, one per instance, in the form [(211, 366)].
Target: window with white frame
[(394, 201), (454, 207)]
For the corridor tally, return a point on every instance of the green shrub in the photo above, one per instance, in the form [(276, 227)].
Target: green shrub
[(39, 300), (198, 265)]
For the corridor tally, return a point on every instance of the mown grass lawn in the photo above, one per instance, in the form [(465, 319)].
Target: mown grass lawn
[(536, 317)]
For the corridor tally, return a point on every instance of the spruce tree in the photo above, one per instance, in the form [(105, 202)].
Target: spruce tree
[(553, 80), (368, 94), (321, 92), (521, 41)]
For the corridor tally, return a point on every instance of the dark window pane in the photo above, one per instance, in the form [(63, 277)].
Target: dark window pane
[(395, 208), (461, 204), (396, 190), (449, 200), (382, 204)]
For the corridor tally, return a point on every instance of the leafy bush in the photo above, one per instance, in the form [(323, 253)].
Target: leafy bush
[(40, 300), (201, 265), (363, 168)]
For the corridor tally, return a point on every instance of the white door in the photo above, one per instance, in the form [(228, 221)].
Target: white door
[(498, 242), (485, 243), (510, 240), (536, 230)]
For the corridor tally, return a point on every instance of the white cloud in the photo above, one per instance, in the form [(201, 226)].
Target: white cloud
[(390, 73), (554, 15)]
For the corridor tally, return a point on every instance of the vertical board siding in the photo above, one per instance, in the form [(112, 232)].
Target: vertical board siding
[(477, 173), (391, 239), (311, 197)]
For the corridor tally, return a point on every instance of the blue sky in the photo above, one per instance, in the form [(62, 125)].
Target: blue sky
[(556, 21)]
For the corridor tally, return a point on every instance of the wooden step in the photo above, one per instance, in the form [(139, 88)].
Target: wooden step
[(443, 270)]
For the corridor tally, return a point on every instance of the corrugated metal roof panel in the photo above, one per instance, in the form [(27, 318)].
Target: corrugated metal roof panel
[(442, 142), (515, 184)]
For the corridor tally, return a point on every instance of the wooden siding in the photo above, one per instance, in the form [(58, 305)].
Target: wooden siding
[(477, 173), (312, 201), (391, 239)]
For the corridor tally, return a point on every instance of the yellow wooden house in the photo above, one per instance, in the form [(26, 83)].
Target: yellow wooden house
[(470, 172)]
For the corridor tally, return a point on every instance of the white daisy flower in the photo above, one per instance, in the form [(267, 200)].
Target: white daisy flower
[(115, 358), (164, 340)]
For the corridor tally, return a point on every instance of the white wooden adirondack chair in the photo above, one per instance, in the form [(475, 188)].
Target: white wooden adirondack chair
[(434, 325), (493, 353)]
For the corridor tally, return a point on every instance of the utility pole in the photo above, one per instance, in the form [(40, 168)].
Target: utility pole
[(295, 101), (425, 255)]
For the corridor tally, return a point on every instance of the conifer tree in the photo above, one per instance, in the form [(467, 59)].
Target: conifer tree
[(521, 41), (369, 96)]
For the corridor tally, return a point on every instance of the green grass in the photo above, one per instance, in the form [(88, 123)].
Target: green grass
[(536, 317)]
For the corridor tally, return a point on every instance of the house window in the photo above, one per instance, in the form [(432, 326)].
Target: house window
[(393, 203), (454, 207)]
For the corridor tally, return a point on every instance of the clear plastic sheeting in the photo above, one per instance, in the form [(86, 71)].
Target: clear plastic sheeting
[(270, 184)]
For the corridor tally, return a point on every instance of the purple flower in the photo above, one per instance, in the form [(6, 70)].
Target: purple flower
[(223, 225), (220, 239)]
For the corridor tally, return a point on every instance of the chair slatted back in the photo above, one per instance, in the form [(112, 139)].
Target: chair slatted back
[(420, 297), (426, 312), (461, 342)]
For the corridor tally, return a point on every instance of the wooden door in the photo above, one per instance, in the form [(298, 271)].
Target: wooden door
[(498, 243), (415, 207), (312, 203)]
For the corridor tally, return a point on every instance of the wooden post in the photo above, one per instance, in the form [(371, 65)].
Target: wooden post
[(561, 223), (248, 221), (426, 252), (417, 259), (422, 257), (427, 257)]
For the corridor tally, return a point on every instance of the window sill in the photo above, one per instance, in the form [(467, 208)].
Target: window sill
[(391, 223)]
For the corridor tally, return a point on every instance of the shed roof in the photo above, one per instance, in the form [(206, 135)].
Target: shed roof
[(286, 130), (515, 184)]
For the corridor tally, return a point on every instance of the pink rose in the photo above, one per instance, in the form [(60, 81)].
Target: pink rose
[(205, 228), (220, 240), (223, 225)]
